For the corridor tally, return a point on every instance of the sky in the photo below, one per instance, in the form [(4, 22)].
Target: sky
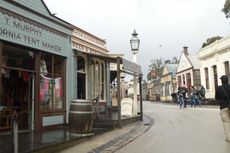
[(164, 27)]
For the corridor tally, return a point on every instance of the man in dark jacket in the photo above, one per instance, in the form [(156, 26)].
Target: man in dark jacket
[(223, 97)]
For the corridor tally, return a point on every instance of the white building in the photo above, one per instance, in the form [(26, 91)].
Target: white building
[(188, 71), (214, 63)]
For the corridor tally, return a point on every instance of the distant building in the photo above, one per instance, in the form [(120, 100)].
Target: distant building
[(214, 63), (168, 81), (144, 90), (154, 89), (188, 71)]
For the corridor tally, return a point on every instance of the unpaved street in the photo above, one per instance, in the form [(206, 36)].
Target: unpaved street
[(190, 130)]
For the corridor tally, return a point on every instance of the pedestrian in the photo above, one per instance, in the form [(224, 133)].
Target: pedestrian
[(181, 97), (184, 92), (174, 97), (197, 96), (202, 94), (193, 96), (223, 96)]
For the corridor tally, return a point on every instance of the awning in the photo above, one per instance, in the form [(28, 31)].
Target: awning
[(127, 66)]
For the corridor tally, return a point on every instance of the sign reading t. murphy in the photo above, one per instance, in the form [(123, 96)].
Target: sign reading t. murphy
[(23, 31)]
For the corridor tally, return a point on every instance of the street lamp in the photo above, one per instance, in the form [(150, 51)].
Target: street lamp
[(134, 42)]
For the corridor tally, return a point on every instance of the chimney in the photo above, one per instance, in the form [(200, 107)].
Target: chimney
[(185, 50)]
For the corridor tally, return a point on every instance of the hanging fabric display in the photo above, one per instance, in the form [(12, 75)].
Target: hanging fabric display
[(51, 87), (45, 90), (57, 93)]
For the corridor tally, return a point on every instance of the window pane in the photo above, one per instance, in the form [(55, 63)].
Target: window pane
[(80, 64), (58, 92), (81, 91), (46, 89), (17, 57), (58, 65), (46, 63), (51, 82)]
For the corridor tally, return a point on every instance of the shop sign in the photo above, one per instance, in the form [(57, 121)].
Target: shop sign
[(126, 106), (89, 39), (18, 31)]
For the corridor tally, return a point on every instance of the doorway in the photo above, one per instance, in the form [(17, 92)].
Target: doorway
[(17, 87), (17, 95), (215, 76)]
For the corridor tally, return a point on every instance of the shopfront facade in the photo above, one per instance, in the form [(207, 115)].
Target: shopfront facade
[(91, 67), (35, 60)]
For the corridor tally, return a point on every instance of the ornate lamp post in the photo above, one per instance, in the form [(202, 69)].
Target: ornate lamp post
[(134, 42)]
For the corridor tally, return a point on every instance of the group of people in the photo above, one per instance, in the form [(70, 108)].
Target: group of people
[(196, 96)]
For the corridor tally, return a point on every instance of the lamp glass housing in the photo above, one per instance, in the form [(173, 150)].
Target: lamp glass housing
[(134, 42)]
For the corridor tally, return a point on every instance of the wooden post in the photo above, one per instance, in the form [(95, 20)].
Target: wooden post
[(14, 130), (118, 92), (141, 104), (1, 46)]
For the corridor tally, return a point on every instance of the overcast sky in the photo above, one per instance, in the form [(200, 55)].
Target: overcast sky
[(170, 24)]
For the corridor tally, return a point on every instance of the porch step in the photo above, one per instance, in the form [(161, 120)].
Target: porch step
[(104, 124)]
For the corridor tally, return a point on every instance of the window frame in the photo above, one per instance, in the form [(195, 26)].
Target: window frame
[(53, 77), (85, 72)]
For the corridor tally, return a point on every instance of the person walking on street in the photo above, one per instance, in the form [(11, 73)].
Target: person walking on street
[(184, 91), (198, 97), (193, 97), (223, 96), (202, 94), (180, 97)]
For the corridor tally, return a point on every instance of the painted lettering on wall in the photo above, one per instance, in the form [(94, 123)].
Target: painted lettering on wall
[(17, 30)]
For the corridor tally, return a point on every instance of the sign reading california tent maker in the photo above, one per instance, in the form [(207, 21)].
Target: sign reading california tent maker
[(15, 30)]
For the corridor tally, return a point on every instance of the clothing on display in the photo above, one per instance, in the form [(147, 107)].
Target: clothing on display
[(51, 87)]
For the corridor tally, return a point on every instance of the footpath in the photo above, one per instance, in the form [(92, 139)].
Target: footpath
[(114, 140)]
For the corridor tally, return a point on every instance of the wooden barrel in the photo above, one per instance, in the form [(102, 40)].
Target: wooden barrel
[(81, 116)]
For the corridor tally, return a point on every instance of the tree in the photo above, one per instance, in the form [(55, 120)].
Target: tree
[(157, 65), (226, 8), (175, 60), (211, 40), (155, 68)]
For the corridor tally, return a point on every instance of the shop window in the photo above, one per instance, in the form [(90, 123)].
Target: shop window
[(81, 78), (17, 74), (98, 71), (51, 81), (17, 58)]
